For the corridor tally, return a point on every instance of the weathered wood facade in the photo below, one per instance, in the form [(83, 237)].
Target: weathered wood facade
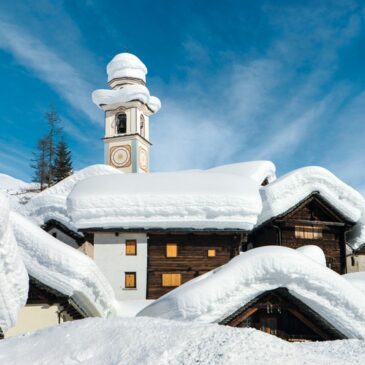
[(279, 313), (312, 222), (197, 253)]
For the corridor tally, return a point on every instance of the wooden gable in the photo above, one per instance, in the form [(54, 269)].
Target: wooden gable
[(314, 208), (279, 313)]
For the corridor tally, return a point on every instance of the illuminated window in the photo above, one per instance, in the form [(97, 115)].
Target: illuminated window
[(171, 250), (172, 280), (211, 252), (130, 280), (307, 232), (131, 247)]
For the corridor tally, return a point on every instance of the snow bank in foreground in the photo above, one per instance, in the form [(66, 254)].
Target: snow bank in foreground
[(255, 170), (165, 200), (357, 279), (290, 189), (139, 341), (13, 276), (63, 268), (313, 252), (215, 295), (51, 203)]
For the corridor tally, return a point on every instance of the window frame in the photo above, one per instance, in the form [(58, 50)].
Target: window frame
[(126, 274), (211, 250), (171, 274), (117, 122), (128, 242), (308, 232), (166, 250)]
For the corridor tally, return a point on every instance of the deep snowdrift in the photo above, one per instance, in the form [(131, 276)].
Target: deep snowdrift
[(258, 171), (288, 190), (139, 341), (218, 293), (357, 279), (165, 200), (13, 276), (51, 203), (63, 268)]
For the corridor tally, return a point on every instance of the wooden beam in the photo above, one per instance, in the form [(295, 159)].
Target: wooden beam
[(315, 223), (311, 325), (241, 317)]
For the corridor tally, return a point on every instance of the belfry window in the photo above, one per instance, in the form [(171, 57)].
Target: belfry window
[(121, 123), (142, 126)]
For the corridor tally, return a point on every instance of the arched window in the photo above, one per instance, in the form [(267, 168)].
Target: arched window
[(142, 126), (121, 123)]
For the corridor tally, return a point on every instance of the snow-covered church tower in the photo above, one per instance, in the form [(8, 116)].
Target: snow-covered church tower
[(128, 106)]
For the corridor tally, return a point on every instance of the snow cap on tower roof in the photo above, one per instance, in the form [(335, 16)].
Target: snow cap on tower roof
[(126, 65)]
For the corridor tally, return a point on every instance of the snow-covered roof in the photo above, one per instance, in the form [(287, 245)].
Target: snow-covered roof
[(258, 171), (357, 279), (217, 294), (62, 268), (126, 65), (288, 190), (165, 200), (26, 249), (51, 203), (142, 341), (13, 276)]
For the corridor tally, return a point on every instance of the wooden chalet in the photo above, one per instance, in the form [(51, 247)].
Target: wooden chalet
[(279, 313), (175, 258), (313, 221)]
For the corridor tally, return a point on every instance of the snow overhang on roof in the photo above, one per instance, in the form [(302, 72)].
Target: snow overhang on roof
[(216, 295), (192, 200), (289, 190)]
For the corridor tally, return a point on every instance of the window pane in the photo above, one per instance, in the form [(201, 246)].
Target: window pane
[(131, 247), (130, 279), (211, 253), (171, 250), (307, 232), (171, 280)]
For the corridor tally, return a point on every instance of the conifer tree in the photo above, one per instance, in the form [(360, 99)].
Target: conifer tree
[(54, 130), (63, 161), (40, 163)]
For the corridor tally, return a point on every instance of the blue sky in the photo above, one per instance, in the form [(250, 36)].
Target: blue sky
[(238, 80)]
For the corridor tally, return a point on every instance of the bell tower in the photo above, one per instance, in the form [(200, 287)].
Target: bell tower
[(128, 106)]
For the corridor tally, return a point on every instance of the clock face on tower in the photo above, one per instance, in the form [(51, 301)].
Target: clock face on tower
[(120, 156), (143, 159)]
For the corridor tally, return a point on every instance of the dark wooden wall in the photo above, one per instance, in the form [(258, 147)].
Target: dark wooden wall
[(192, 259), (281, 230)]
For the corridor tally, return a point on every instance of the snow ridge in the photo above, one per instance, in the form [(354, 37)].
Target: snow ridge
[(215, 295)]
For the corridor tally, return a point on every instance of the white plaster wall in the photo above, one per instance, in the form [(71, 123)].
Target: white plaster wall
[(109, 255), (33, 317), (64, 237)]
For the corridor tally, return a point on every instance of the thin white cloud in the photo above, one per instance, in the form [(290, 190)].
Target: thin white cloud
[(47, 65)]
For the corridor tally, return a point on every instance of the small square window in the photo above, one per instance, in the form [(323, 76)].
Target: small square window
[(171, 250), (130, 280), (211, 252), (171, 280), (131, 247)]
